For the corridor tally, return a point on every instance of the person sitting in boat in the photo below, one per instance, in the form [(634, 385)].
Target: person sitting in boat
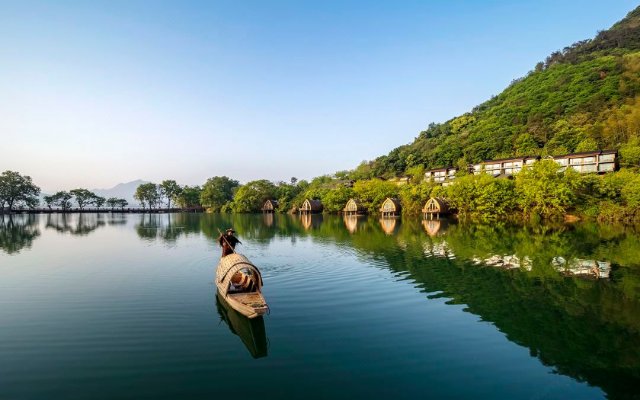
[(228, 242)]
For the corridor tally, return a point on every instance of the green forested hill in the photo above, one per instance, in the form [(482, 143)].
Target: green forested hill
[(584, 97)]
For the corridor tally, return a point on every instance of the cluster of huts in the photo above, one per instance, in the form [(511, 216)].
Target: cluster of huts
[(391, 207)]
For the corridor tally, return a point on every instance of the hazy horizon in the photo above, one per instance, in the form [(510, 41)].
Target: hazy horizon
[(97, 94)]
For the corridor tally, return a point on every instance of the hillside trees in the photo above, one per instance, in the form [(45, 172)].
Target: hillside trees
[(543, 190)]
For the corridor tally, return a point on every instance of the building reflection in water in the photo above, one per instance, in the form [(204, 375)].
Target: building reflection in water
[(268, 219), (389, 225), (434, 226), (311, 221), (351, 223)]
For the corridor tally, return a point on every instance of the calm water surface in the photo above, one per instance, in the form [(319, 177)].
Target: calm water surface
[(118, 306)]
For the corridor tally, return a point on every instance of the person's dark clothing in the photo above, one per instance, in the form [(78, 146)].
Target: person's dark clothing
[(228, 243)]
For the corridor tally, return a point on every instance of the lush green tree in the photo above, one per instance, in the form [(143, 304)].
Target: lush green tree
[(189, 197), (218, 191), (481, 196), (98, 201), (545, 191), (169, 189), (335, 200), (112, 202), (122, 203), (373, 192), (83, 197), (48, 201), (148, 195), (17, 190), (413, 197), (251, 197), (62, 199)]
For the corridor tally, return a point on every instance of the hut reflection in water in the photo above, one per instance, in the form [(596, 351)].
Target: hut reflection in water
[(389, 225)]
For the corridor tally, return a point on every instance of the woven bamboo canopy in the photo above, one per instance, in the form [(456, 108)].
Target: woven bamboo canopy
[(391, 206), (354, 206), (436, 205), (311, 205), (270, 205)]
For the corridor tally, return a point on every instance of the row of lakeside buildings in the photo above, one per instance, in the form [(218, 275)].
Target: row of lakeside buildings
[(391, 207), (599, 162)]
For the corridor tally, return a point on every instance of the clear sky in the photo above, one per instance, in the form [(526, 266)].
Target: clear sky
[(97, 93)]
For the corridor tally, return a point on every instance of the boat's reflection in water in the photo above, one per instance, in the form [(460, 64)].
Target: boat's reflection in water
[(251, 331)]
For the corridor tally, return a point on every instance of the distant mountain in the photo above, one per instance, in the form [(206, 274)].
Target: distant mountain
[(121, 191), (581, 98)]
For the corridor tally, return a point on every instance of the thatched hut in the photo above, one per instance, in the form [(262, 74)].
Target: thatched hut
[(310, 207), (391, 207), (354, 207), (270, 206), (435, 206)]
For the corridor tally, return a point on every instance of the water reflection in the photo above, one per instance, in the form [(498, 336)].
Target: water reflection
[(18, 232), (251, 331), (570, 294), (351, 223), (75, 224), (389, 225)]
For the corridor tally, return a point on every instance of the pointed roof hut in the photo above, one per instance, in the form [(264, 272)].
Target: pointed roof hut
[(435, 206), (270, 206), (354, 207), (391, 207), (311, 206)]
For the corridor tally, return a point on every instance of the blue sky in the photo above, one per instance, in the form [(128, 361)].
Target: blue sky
[(97, 93)]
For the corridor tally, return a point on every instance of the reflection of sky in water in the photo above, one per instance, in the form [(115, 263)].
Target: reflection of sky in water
[(130, 304)]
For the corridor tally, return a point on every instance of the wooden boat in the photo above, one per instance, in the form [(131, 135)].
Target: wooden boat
[(251, 331), (239, 283)]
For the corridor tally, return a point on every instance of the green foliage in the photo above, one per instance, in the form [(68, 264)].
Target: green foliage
[(413, 197), (630, 153), (17, 191), (148, 194), (373, 192), (335, 200), (218, 191), (188, 197), (542, 190), (169, 189), (481, 196), (83, 197), (584, 97), (62, 199), (251, 197)]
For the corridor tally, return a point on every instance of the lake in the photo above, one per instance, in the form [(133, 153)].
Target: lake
[(123, 306)]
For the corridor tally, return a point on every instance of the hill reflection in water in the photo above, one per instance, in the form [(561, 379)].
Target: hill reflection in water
[(570, 294)]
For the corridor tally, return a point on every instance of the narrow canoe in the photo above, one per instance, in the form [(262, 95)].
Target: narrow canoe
[(239, 283)]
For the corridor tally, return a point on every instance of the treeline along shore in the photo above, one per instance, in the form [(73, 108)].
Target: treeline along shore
[(546, 189)]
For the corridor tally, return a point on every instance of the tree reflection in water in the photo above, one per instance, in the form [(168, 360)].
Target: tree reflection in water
[(18, 232), (75, 224)]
